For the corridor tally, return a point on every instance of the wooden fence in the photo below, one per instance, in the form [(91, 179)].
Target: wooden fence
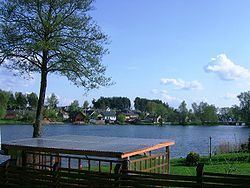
[(13, 176), (45, 161), (155, 164)]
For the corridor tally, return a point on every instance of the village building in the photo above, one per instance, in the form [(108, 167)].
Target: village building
[(11, 115), (78, 117), (109, 116), (130, 115), (64, 115), (96, 118)]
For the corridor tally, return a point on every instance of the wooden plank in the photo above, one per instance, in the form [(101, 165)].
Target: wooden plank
[(226, 180), (146, 158), (77, 157), (161, 176), (77, 178), (157, 183), (153, 168), (217, 185), (146, 149)]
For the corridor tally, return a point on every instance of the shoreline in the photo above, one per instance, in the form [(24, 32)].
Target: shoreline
[(15, 122)]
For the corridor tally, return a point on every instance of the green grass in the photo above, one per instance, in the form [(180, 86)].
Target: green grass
[(13, 122), (231, 163)]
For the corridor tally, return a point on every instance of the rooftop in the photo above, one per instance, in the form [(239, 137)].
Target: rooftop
[(118, 147)]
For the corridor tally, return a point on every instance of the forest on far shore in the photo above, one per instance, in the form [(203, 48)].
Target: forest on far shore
[(200, 113)]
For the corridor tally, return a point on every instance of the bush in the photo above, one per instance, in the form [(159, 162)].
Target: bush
[(192, 159), (121, 119), (28, 116)]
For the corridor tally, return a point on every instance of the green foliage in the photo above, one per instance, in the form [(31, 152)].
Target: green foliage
[(52, 37), (118, 103), (12, 102), (50, 113), (52, 101), (192, 159), (21, 100), (85, 104), (29, 116), (121, 119), (156, 108), (244, 99), (2, 111), (74, 106), (32, 100), (205, 113), (141, 104), (4, 97), (183, 112)]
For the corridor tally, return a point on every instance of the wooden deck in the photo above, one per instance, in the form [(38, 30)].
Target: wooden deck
[(89, 145), (91, 153)]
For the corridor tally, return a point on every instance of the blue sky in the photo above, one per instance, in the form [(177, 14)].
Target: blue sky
[(171, 50)]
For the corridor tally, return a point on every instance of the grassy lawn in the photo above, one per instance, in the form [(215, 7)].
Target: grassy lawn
[(231, 163), (13, 122)]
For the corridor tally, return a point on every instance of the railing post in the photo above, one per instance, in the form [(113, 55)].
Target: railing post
[(117, 171), (55, 172), (5, 166), (24, 158), (199, 174), (125, 165), (168, 160)]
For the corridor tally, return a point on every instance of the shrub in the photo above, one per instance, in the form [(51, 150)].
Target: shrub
[(192, 159), (121, 119)]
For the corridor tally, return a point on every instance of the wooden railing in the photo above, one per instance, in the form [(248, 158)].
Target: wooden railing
[(13, 176), (154, 164), (45, 161), (225, 180)]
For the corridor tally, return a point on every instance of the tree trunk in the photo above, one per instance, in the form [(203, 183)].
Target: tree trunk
[(39, 113)]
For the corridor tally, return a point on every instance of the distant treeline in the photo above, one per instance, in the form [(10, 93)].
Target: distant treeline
[(17, 101), (200, 113)]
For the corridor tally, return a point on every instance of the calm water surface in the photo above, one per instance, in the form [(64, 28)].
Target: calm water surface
[(187, 138)]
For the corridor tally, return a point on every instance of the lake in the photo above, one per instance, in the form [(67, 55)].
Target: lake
[(187, 138)]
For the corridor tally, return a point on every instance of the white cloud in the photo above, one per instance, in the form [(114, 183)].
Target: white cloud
[(226, 69), (181, 84), (9, 81)]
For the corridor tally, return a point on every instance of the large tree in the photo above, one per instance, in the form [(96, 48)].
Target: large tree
[(183, 112), (52, 36)]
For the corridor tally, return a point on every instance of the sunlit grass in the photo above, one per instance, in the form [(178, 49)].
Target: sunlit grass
[(231, 163)]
